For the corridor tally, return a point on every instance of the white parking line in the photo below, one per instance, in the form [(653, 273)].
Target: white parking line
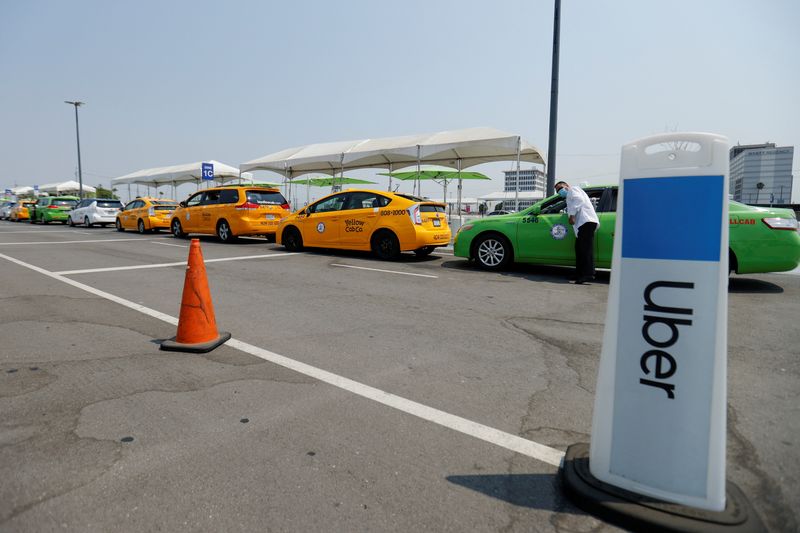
[(65, 242), (387, 271), (164, 265), (491, 435), (43, 230), (169, 244)]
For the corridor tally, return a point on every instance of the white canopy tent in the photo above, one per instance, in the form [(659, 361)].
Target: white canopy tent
[(177, 174), (456, 149), (22, 191), (65, 187)]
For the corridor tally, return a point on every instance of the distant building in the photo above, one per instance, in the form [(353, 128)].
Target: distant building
[(529, 180), (761, 173)]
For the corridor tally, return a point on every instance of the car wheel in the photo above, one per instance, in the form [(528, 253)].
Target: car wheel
[(177, 230), (425, 251), (386, 246), (140, 227), (224, 231), (118, 225), (493, 252), (292, 239), (86, 222)]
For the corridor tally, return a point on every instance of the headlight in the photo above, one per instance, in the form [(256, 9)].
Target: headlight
[(781, 223)]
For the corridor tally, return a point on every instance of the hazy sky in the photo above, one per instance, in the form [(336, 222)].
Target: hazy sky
[(168, 82)]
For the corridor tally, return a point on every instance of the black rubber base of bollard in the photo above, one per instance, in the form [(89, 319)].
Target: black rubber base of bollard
[(643, 513), (202, 347)]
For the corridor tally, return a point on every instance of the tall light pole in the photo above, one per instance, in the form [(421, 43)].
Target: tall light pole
[(78, 138), (551, 141)]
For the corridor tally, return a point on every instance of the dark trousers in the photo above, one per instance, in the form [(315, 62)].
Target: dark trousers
[(584, 251)]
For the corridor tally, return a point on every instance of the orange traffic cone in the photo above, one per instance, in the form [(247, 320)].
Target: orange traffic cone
[(197, 327)]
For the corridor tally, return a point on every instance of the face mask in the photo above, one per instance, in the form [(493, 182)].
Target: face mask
[(562, 193)]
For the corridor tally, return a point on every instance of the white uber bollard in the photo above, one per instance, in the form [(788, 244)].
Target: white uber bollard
[(657, 455)]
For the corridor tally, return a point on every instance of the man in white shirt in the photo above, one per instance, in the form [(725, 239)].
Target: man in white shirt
[(584, 222)]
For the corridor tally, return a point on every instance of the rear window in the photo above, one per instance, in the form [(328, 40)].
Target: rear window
[(71, 203), (109, 203), (161, 202), (411, 197), (265, 198), (425, 208), (165, 207)]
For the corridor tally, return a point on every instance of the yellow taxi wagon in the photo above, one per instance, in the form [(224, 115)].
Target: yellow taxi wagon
[(146, 214), (231, 211), (382, 222), (20, 212)]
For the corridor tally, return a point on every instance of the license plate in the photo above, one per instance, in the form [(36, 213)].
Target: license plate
[(437, 223), (270, 216)]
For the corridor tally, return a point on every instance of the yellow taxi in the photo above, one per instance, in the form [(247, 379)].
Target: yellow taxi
[(146, 214), (382, 222), (231, 211), (20, 212)]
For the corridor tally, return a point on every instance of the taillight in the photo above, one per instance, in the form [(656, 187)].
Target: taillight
[(247, 205), (780, 223), (413, 212), (151, 212), (52, 207), (285, 205)]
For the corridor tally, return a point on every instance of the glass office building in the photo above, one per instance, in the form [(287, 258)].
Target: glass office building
[(761, 173)]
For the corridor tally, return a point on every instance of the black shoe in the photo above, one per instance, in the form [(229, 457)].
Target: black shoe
[(582, 281)]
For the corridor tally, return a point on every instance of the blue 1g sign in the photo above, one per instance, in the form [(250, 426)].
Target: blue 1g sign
[(208, 171)]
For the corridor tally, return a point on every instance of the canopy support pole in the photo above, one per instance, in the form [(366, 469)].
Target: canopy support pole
[(129, 192), (447, 205), (419, 169), (390, 178), (516, 194), (458, 204)]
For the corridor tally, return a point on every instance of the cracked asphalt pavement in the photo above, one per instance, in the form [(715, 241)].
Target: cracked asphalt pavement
[(101, 431)]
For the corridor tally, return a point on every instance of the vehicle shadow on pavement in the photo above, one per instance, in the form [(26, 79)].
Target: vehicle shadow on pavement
[(752, 286), (535, 491), (552, 274), (355, 254)]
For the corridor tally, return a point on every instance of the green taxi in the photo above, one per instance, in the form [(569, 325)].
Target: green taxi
[(761, 239), (52, 209)]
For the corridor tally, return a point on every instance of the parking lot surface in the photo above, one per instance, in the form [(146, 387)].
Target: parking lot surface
[(355, 395)]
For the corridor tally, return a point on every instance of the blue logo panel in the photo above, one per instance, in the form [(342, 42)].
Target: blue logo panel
[(208, 171), (677, 218)]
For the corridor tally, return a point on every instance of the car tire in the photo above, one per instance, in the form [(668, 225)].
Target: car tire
[(118, 225), (177, 229), (385, 245), (492, 252), (224, 232), (140, 227), (292, 239), (425, 251), (86, 222)]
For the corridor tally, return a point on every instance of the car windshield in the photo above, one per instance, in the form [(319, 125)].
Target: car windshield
[(265, 197), (109, 203), (71, 203)]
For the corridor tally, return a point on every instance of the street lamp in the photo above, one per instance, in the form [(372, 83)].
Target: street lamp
[(78, 138)]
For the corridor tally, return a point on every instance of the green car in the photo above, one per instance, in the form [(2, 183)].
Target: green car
[(761, 239), (49, 209)]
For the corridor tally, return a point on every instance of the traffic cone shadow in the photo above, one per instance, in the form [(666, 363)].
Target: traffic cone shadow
[(197, 326)]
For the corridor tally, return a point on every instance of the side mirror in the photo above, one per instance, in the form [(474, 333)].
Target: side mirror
[(182, 204), (536, 210)]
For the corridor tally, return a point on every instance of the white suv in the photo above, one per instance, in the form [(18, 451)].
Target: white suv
[(91, 211)]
